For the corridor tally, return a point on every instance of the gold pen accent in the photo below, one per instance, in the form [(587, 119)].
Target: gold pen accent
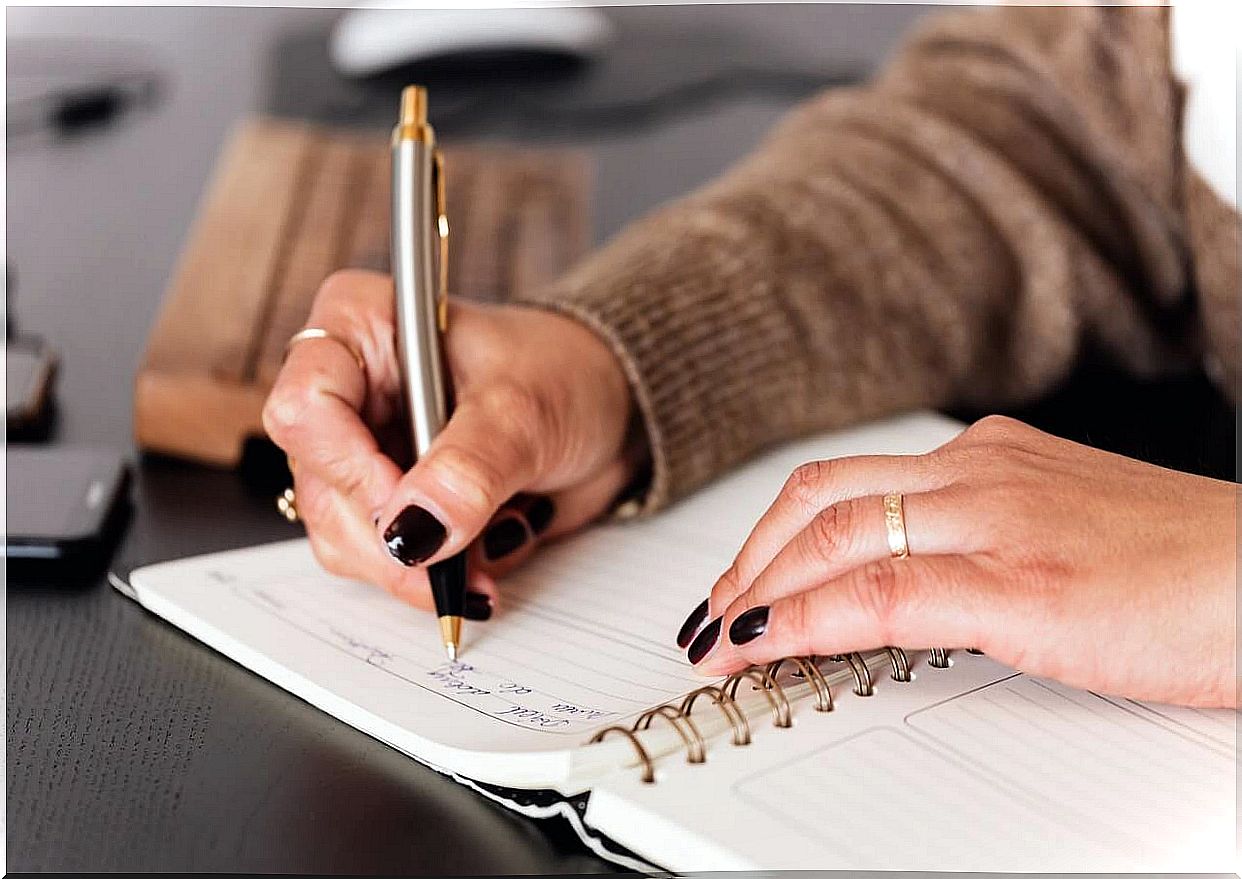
[(412, 124), (450, 634), (442, 230)]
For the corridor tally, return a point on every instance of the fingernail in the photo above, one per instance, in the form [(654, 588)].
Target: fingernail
[(749, 626), (539, 514), (503, 537), (478, 606), (688, 629), (705, 644), (414, 536)]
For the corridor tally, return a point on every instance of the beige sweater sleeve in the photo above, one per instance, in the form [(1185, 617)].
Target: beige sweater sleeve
[(954, 233)]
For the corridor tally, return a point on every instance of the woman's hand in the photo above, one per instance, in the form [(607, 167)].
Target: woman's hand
[(536, 446), (1057, 559)]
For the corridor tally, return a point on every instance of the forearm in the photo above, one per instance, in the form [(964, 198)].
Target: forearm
[(915, 243)]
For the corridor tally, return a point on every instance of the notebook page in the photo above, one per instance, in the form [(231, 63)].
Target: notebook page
[(583, 637), (970, 768)]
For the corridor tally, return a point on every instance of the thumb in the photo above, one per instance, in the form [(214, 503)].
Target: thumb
[(491, 448)]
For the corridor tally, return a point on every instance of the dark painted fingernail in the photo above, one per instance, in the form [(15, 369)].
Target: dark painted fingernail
[(539, 514), (478, 606), (705, 643), (503, 537), (749, 626), (414, 536), (691, 626)]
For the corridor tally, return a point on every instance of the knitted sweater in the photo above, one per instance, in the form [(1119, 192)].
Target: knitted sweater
[(1009, 190)]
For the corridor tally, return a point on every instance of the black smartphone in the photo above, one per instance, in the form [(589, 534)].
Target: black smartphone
[(65, 505)]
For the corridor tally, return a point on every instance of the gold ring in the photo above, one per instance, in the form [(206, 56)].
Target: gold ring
[(287, 503), (310, 333), (895, 524)]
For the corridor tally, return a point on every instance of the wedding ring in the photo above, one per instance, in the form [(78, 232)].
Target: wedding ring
[(287, 503), (319, 333), (895, 523)]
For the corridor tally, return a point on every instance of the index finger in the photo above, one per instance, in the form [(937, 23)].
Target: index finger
[(810, 489), (312, 412)]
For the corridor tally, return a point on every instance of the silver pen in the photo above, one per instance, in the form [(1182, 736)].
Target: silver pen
[(419, 270)]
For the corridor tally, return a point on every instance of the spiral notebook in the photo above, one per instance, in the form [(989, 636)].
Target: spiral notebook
[(574, 700)]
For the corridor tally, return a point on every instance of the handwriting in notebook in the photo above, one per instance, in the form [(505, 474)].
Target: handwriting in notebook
[(505, 678)]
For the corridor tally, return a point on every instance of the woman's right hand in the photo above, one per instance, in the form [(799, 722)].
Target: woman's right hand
[(536, 446)]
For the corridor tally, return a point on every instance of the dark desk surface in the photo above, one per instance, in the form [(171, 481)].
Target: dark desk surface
[(130, 746)]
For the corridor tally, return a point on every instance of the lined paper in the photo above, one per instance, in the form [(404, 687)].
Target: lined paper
[(1118, 768), (911, 800), (568, 652)]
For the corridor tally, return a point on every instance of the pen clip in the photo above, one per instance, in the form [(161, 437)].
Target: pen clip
[(440, 208)]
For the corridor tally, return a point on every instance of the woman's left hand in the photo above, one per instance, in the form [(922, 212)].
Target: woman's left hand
[(1054, 558)]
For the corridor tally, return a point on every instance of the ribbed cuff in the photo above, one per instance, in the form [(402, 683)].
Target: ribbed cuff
[(681, 301)]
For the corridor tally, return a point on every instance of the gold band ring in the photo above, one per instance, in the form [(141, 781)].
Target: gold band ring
[(895, 524), (287, 503), (310, 333)]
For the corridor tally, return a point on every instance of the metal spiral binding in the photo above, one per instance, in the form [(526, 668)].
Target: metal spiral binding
[(726, 703), (863, 685), (809, 671), (901, 664), (764, 680), (775, 693), (696, 751), (643, 756)]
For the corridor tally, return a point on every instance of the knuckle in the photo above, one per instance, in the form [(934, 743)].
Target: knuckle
[(343, 282), (354, 302), (805, 485), (519, 405), (828, 533), (726, 589), (284, 412), (877, 592), (316, 508), (345, 473), (469, 475), (797, 623), (996, 430), (509, 399)]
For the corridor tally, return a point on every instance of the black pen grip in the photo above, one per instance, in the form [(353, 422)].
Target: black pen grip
[(448, 585)]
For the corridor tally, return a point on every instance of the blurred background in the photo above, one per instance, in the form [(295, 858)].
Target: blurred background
[(99, 210)]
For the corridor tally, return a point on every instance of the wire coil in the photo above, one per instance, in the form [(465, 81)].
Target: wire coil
[(696, 750), (764, 680)]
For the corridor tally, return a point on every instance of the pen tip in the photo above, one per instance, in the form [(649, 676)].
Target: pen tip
[(450, 634)]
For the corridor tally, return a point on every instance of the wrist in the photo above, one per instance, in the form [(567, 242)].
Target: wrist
[(604, 388)]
